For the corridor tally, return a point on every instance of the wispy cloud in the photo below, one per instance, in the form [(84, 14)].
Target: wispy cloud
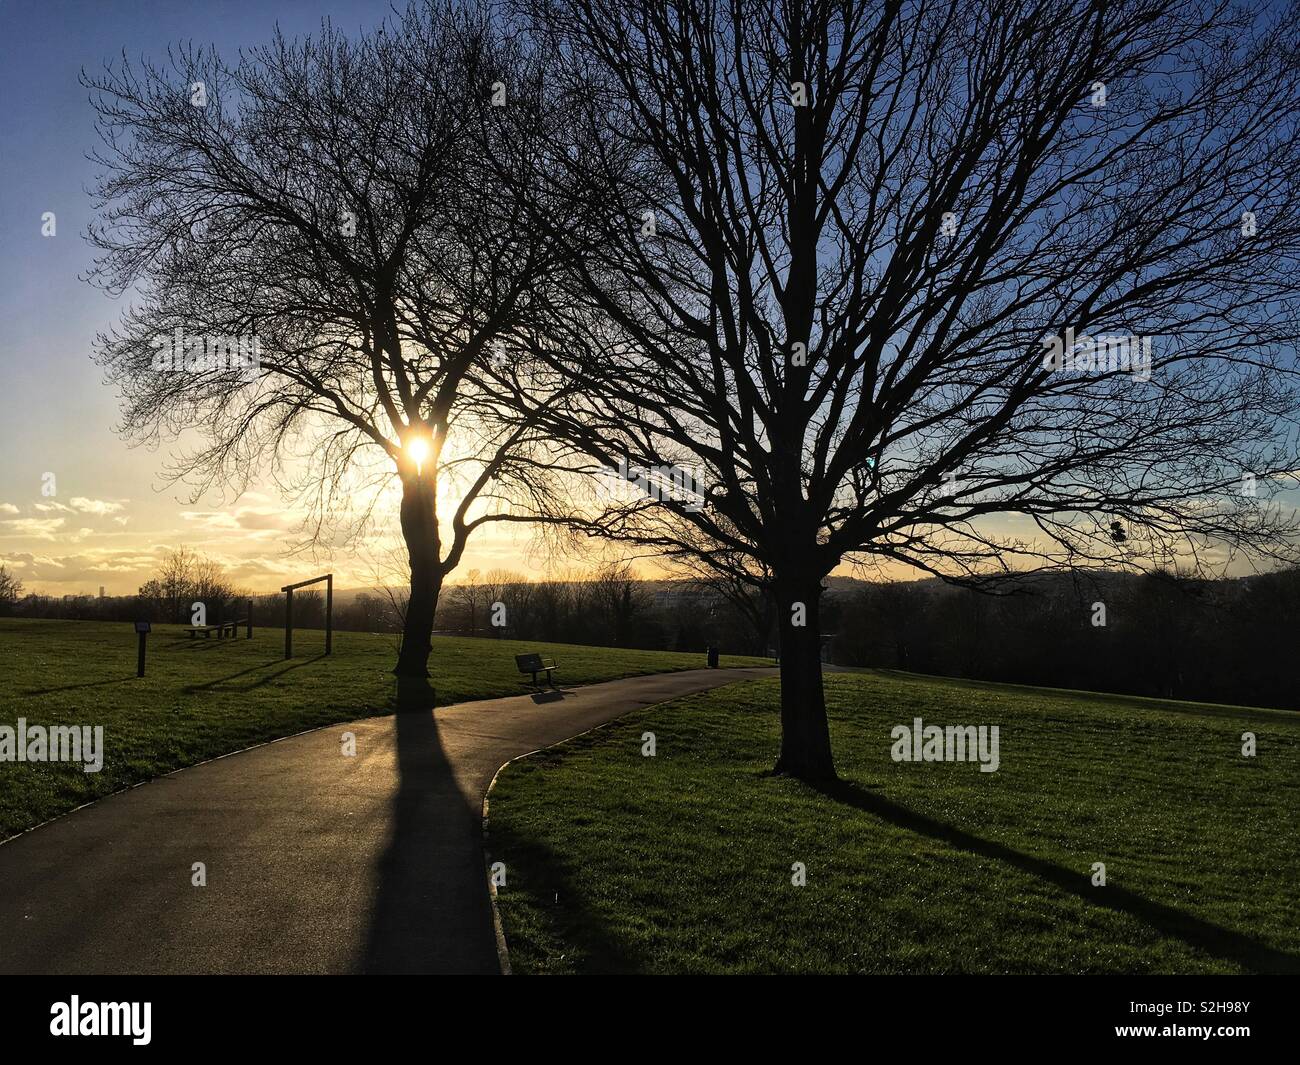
[(94, 506), (34, 528), (257, 519)]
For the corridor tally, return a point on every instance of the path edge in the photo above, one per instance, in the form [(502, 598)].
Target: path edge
[(503, 950)]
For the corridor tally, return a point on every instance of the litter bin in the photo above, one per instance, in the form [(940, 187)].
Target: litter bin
[(712, 652)]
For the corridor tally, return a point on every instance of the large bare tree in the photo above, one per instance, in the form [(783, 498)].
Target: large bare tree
[(327, 196), (857, 262)]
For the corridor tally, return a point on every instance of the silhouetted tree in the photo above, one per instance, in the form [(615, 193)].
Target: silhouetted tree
[(843, 248), (327, 197), (186, 577), (11, 589)]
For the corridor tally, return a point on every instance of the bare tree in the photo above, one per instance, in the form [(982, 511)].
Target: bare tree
[(185, 577), (510, 589), (467, 597), (748, 596), (176, 583), (211, 584), (853, 255), (324, 198), (11, 588), (619, 600)]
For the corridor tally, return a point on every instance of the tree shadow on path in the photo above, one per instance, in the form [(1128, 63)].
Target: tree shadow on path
[(431, 911)]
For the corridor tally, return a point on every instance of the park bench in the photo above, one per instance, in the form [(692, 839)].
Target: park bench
[(219, 629), (535, 664)]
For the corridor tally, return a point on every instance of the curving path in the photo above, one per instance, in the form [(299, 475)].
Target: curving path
[(316, 862)]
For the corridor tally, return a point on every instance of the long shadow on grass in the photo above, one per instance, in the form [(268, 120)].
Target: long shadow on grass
[(595, 947), (431, 912), (1124, 700), (87, 684), (190, 689), (1211, 938)]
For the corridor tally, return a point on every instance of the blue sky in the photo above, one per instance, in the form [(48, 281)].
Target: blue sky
[(111, 514)]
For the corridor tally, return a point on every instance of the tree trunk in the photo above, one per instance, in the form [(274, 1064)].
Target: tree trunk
[(805, 736), (420, 530)]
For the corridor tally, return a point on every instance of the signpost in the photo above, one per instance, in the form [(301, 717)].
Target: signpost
[(142, 629)]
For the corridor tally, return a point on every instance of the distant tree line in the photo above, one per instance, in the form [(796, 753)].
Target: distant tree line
[(1164, 635), (610, 608), (185, 578), (1161, 634)]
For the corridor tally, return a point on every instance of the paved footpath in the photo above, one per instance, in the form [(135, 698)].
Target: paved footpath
[(316, 862)]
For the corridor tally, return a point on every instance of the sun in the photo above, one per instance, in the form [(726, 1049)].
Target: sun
[(417, 448)]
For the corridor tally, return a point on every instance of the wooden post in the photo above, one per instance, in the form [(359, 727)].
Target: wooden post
[(288, 624), (249, 618), (288, 590), (329, 613)]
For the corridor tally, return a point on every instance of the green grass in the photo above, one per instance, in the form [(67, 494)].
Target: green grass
[(206, 697), (681, 863)]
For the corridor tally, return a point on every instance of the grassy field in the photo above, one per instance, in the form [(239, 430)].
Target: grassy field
[(682, 862), (206, 697)]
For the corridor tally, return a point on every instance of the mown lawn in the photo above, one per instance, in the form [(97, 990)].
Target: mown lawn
[(206, 697), (681, 863)]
